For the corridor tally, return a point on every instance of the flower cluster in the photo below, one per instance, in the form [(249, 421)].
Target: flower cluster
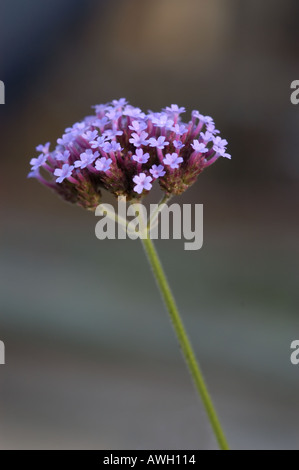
[(125, 151)]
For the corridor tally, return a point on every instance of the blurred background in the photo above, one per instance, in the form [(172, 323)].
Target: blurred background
[(91, 360)]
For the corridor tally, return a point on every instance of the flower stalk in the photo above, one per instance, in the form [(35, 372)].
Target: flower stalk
[(182, 336)]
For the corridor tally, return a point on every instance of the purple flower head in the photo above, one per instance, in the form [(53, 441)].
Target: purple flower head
[(175, 109), (39, 161), (199, 147), (173, 160), (140, 157), (115, 147), (86, 158), (135, 113), (205, 119), (220, 147), (159, 143), (178, 144), (206, 136), (142, 182), (112, 147), (197, 115), (62, 156), (162, 120), (103, 164), (99, 142), (34, 174), (66, 139), (113, 114), (179, 129), (90, 135), (138, 126), (157, 171), (64, 172), (219, 143), (100, 123), (139, 139), (111, 133), (211, 128), (77, 128), (100, 108), (108, 149), (119, 103), (223, 153), (43, 148)]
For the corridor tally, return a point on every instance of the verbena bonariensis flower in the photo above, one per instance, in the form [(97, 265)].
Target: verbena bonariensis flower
[(125, 151)]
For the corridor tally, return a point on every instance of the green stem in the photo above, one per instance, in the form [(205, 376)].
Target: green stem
[(115, 217), (184, 342), (154, 218)]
